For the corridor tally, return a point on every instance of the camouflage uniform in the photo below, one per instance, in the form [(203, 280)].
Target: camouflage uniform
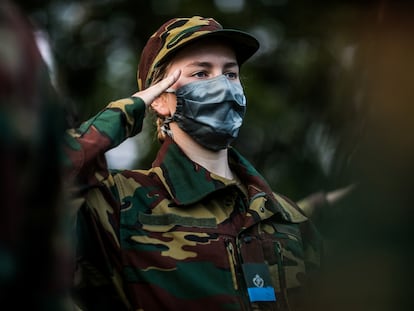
[(177, 237)]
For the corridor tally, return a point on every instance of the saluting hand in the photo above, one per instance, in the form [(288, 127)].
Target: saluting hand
[(150, 94)]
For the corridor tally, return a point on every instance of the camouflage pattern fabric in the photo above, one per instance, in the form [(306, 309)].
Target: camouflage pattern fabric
[(177, 32), (175, 236)]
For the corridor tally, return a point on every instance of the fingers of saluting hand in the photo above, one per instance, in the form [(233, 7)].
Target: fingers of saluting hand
[(148, 95)]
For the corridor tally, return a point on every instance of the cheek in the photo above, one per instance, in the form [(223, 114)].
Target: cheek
[(180, 82), (183, 80)]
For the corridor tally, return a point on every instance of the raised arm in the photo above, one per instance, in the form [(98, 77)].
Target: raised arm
[(85, 146)]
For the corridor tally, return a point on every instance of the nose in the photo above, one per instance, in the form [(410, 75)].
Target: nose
[(217, 72)]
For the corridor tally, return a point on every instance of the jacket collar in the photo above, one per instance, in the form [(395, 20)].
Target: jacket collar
[(187, 182)]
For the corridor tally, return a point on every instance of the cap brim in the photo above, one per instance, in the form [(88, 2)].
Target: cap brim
[(244, 44)]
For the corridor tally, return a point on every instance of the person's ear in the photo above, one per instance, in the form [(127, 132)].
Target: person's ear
[(160, 105)]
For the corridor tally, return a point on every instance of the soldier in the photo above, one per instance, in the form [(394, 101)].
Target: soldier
[(201, 229)]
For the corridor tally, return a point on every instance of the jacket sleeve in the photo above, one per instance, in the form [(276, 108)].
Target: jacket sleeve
[(85, 147)]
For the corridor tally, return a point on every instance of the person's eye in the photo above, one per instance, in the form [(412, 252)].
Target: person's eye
[(231, 75), (200, 74)]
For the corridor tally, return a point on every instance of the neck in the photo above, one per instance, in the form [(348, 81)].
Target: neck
[(214, 161)]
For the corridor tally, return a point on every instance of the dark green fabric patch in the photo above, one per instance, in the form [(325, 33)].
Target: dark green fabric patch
[(173, 219)]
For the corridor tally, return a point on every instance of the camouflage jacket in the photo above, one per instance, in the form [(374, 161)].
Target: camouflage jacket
[(177, 237)]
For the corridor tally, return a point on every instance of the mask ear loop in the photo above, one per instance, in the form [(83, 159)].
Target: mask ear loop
[(165, 127)]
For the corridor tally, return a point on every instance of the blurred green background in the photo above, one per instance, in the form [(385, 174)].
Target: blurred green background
[(305, 113), (330, 103)]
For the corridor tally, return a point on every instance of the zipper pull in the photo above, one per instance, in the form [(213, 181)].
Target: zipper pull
[(232, 262)]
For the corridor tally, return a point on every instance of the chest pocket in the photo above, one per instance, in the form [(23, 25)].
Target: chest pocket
[(280, 246)]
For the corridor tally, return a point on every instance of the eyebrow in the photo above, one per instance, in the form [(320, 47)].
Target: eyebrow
[(209, 65)]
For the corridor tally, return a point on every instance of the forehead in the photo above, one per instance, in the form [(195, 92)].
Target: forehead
[(209, 47)]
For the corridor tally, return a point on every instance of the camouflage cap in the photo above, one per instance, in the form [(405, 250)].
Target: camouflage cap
[(177, 32)]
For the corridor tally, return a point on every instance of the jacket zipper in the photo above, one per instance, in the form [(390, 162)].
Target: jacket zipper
[(282, 276), (233, 262), (236, 276)]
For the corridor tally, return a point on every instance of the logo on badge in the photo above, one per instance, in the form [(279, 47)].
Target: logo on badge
[(258, 281)]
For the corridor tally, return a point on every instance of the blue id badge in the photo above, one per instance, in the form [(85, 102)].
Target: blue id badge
[(259, 283)]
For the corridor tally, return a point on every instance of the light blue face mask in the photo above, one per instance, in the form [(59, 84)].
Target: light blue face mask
[(210, 111)]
